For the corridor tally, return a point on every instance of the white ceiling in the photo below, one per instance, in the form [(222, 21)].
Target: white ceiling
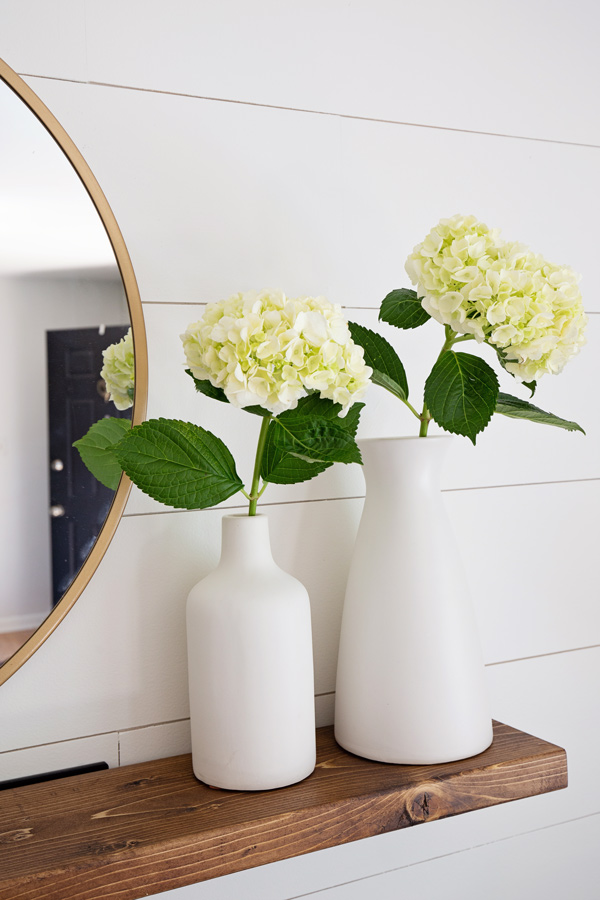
[(47, 220)]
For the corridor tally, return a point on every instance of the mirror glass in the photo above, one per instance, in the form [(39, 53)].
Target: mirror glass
[(62, 302)]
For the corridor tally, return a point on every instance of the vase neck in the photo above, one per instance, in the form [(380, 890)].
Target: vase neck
[(245, 541), (400, 465)]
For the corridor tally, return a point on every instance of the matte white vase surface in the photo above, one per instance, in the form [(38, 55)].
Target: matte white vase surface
[(250, 667), (411, 680)]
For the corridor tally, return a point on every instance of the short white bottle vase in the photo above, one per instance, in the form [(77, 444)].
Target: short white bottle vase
[(411, 680), (250, 667)]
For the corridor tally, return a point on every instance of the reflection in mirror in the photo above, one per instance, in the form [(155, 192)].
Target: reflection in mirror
[(62, 302)]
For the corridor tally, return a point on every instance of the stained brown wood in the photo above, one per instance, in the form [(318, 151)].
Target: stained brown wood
[(138, 830)]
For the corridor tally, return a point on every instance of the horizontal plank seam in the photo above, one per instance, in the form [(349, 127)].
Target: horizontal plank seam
[(169, 305), (177, 303), (503, 662), (134, 728), (86, 737), (266, 503), (429, 859), (311, 112)]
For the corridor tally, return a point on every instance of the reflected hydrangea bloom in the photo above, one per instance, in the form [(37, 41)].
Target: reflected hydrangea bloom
[(118, 371)]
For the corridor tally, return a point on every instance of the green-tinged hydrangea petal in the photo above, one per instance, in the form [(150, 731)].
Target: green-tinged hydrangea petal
[(502, 293), (266, 349)]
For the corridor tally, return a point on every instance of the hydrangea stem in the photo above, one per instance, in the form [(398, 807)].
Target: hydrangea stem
[(425, 420), (255, 492), (451, 338)]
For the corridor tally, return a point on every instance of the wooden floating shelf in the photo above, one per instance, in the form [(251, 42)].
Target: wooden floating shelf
[(134, 831)]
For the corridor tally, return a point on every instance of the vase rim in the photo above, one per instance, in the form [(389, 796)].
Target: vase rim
[(244, 516)]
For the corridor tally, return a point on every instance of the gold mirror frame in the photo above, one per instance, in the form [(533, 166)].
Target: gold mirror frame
[(43, 114)]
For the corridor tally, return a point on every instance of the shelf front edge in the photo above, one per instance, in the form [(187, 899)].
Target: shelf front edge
[(131, 832)]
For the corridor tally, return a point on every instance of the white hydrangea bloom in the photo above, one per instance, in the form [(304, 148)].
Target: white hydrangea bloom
[(266, 349), (118, 371), (502, 293)]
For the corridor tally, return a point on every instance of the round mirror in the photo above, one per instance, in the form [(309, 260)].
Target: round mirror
[(67, 292)]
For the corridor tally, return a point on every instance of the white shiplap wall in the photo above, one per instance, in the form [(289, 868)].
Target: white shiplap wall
[(241, 145)]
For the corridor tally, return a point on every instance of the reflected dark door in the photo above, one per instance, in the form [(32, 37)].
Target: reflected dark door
[(76, 399)]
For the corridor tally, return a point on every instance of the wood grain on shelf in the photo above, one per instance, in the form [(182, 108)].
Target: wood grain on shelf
[(131, 832)]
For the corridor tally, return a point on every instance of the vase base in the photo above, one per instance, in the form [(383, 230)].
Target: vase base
[(254, 784), (416, 759)]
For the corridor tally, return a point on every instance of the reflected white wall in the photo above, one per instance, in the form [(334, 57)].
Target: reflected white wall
[(29, 307)]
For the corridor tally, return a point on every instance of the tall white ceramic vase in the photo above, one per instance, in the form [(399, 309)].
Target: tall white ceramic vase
[(250, 667), (411, 681)]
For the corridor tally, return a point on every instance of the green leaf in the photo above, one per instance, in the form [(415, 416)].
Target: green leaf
[(461, 393), (317, 438), (179, 464), (204, 386), (257, 411), (350, 421), (403, 309), (314, 405), (515, 408), (531, 386), (388, 371), (96, 449), (281, 466)]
